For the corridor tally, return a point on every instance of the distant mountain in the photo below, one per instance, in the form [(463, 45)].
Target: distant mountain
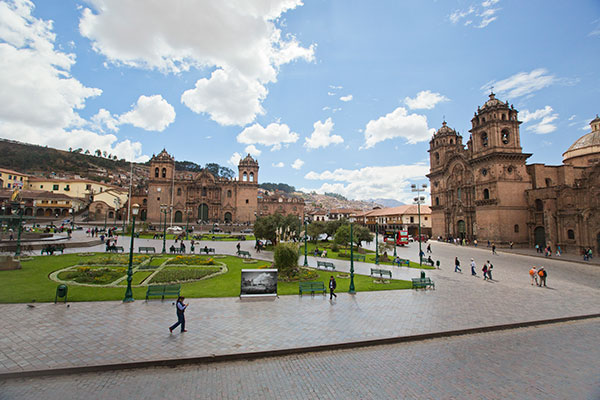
[(387, 202)]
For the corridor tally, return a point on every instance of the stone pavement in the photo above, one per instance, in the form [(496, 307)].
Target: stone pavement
[(528, 363)]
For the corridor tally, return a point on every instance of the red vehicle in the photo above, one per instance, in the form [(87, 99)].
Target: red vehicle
[(423, 238), (401, 237)]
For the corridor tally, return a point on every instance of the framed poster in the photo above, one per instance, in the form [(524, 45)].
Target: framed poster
[(259, 282)]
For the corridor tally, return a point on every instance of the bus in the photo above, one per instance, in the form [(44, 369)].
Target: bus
[(401, 237)]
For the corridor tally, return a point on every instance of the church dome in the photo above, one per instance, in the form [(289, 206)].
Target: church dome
[(493, 102), (248, 160), (445, 129), (586, 149)]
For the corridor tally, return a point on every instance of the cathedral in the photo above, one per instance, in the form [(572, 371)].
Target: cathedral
[(487, 191)]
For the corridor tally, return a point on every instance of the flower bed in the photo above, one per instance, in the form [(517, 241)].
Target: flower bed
[(93, 275), (174, 274), (191, 260), (114, 259)]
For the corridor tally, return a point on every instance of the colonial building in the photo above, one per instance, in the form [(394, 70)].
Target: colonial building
[(279, 203), (405, 217), (487, 191), (10, 179)]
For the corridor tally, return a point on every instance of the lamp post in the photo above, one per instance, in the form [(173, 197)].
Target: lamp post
[(376, 243), (129, 293), (117, 206), (163, 209), (18, 208), (418, 201), (305, 242), (72, 218), (105, 216), (187, 222), (395, 243), (351, 290)]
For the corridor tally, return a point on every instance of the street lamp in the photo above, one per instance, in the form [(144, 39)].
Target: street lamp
[(72, 218), (18, 208), (305, 242), (418, 201), (395, 243), (188, 210), (128, 293), (163, 209), (376, 243), (351, 290)]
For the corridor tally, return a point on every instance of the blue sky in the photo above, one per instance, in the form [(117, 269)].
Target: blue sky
[(335, 95)]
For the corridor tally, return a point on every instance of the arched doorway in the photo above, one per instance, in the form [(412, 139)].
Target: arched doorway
[(29, 211), (539, 235), (203, 212), (228, 217), (143, 214), (39, 212), (462, 229), (178, 216), (48, 212)]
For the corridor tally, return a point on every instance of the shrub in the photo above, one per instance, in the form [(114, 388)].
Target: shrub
[(335, 247), (286, 259)]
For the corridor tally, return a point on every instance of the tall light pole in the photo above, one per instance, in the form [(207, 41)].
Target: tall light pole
[(395, 243), (129, 293), (72, 218), (418, 201), (18, 208), (187, 222), (163, 209), (376, 242), (305, 243), (351, 289)]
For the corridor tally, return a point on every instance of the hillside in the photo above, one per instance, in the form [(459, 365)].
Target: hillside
[(328, 202)]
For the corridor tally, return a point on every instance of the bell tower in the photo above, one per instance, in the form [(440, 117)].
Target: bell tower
[(248, 170)]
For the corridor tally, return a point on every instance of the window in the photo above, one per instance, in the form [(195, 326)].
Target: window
[(548, 182), (484, 172), (245, 177), (516, 228), (251, 176), (178, 191), (54, 187), (437, 157), (425, 218), (484, 139), (247, 201), (437, 201), (88, 186), (412, 220), (503, 117), (67, 188), (41, 186), (458, 193), (571, 234), (229, 193), (156, 172), (145, 202), (451, 141), (505, 136), (204, 191), (164, 172), (539, 205), (486, 194)]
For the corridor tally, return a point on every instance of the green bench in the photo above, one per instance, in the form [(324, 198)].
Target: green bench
[(175, 250), (50, 249), (163, 290), (116, 249), (402, 261), (218, 238), (426, 262), (325, 265), (311, 287), (358, 257), (422, 283), (381, 273), (243, 253), (147, 249), (207, 250)]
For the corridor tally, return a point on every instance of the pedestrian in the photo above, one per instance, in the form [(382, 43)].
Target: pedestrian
[(473, 266), (485, 270), (558, 251), (457, 265), (537, 248), (543, 274), (511, 244), (181, 306), (182, 248), (332, 286), (475, 242), (238, 247), (489, 270), (429, 248), (494, 249), (534, 274), (488, 243)]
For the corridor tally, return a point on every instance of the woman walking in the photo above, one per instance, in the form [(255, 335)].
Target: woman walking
[(180, 315)]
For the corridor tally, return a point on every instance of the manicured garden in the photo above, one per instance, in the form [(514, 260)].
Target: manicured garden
[(217, 278)]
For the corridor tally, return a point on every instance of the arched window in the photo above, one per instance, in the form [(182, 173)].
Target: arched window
[(539, 205), (571, 234), (437, 157), (164, 172), (178, 216), (228, 217), (437, 201), (204, 191), (245, 177), (486, 194), (484, 139), (229, 193), (516, 228), (548, 182), (458, 193), (251, 176), (505, 136), (156, 172), (451, 141), (178, 191), (145, 202), (503, 117)]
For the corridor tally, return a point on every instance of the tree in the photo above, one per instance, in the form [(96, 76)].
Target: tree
[(286, 259), (332, 226), (104, 153), (87, 151), (266, 228), (315, 229), (362, 234), (98, 152), (342, 235), (219, 171)]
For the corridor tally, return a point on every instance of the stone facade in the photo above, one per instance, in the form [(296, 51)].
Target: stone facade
[(486, 191)]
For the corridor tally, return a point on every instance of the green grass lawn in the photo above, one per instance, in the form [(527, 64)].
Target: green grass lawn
[(31, 283), (205, 236)]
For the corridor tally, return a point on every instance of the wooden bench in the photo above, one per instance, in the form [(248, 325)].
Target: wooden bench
[(358, 257), (218, 238), (48, 250), (147, 249), (381, 273), (326, 265), (60, 247), (426, 262), (311, 287), (116, 249), (422, 283), (402, 261), (163, 290), (243, 253), (207, 250), (175, 249)]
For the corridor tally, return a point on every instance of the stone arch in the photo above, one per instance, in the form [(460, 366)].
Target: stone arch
[(39, 212), (251, 177), (29, 211), (245, 177), (156, 172), (484, 139), (505, 136), (178, 216), (539, 236), (203, 212), (164, 172), (228, 217), (486, 194)]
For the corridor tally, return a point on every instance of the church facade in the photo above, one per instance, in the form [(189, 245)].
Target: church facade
[(487, 191)]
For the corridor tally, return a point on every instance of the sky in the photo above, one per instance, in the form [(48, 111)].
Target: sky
[(328, 95)]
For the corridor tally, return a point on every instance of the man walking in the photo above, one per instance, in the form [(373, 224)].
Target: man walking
[(429, 248), (493, 248), (542, 273), (457, 265), (473, 266), (489, 270), (180, 315), (332, 286), (534, 274)]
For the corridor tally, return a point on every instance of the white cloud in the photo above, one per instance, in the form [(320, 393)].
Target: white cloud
[(104, 119), (489, 3), (278, 165), (331, 94), (252, 150), (522, 83), (238, 38), (370, 182), (297, 164), (335, 87), (572, 117), (596, 30), (483, 15), (398, 123), (34, 75), (235, 159), (273, 135), (425, 99), (346, 98), (152, 113), (457, 15), (543, 119), (321, 135)]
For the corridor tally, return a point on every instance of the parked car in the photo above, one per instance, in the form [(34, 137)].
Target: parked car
[(175, 229), (250, 231)]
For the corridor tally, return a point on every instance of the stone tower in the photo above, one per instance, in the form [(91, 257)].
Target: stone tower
[(162, 168), (247, 189)]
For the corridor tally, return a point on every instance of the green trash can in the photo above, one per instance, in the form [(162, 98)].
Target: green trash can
[(422, 274), (61, 291)]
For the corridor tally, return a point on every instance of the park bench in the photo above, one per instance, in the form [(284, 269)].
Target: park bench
[(423, 283), (48, 250), (116, 249), (426, 262), (163, 290), (243, 253), (325, 265), (217, 238), (207, 250), (358, 257), (402, 261), (175, 249), (381, 273), (311, 287), (147, 249)]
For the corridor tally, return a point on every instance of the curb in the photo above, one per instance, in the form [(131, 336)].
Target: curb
[(283, 352)]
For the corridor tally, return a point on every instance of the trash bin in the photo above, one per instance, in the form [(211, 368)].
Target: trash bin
[(61, 291), (437, 264), (422, 274)]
